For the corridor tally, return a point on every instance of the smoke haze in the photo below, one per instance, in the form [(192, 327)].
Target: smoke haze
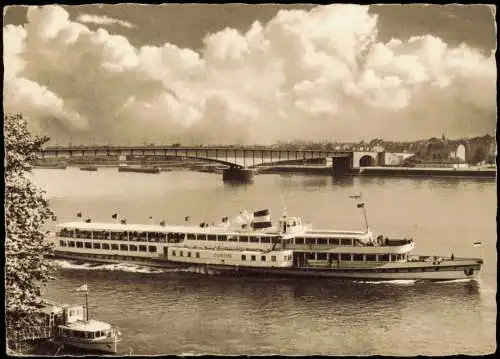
[(322, 74)]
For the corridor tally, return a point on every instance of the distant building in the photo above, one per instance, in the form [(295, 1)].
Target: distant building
[(472, 151)]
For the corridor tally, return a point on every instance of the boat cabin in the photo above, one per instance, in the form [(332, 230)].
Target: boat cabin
[(92, 329), (74, 313)]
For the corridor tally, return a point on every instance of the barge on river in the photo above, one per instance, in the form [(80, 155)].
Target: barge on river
[(139, 169), (250, 244)]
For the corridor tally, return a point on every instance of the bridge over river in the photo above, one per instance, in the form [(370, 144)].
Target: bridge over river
[(238, 159)]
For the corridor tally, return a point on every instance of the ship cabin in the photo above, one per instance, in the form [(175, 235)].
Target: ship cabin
[(228, 257), (152, 240), (348, 249), (309, 246)]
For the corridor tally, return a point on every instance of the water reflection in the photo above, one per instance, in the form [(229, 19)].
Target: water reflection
[(343, 181), (236, 185), (317, 181)]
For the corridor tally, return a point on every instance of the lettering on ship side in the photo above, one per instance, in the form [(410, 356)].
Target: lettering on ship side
[(222, 255)]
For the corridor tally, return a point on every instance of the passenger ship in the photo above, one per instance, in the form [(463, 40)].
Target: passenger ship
[(250, 244)]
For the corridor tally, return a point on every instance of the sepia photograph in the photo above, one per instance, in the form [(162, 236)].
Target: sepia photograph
[(250, 179)]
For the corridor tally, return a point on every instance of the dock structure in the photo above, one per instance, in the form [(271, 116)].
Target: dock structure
[(35, 333), (23, 339)]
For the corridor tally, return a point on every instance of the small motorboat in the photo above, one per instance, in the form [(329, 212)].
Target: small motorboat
[(89, 335), (75, 329)]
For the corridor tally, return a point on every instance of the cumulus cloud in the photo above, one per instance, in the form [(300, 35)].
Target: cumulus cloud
[(104, 20), (319, 74)]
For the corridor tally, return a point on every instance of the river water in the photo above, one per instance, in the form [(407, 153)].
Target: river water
[(173, 312)]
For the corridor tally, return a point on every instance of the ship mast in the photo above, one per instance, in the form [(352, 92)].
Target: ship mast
[(87, 306), (362, 206)]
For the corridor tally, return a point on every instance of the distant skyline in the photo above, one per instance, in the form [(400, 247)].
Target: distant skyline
[(244, 74)]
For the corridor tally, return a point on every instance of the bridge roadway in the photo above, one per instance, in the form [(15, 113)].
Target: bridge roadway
[(242, 157)]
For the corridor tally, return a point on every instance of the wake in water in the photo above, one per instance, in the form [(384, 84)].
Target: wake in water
[(463, 280), (198, 270), (391, 281), (130, 268), (122, 267)]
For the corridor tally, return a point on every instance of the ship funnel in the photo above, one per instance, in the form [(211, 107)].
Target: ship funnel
[(261, 219)]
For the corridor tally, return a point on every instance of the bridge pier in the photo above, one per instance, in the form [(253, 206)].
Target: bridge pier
[(237, 174), (342, 165)]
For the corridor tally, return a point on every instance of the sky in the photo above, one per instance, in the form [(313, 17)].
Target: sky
[(251, 74)]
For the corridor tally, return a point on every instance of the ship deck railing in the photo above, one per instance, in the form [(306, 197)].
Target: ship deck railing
[(430, 260), (441, 259)]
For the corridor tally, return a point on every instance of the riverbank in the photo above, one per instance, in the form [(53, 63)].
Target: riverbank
[(471, 172), (428, 172), (387, 171)]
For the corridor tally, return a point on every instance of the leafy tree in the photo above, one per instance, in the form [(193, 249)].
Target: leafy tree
[(26, 210)]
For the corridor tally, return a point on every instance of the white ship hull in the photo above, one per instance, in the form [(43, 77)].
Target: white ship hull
[(103, 346), (253, 246), (461, 269)]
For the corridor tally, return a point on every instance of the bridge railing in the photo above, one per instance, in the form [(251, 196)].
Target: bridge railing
[(233, 156)]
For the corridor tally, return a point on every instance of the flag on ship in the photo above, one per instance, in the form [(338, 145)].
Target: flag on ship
[(262, 219), (123, 221), (79, 214), (162, 223), (476, 244), (82, 288), (187, 218), (114, 216), (88, 220), (361, 205)]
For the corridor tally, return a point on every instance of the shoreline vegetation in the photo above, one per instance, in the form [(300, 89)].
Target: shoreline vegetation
[(27, 267)]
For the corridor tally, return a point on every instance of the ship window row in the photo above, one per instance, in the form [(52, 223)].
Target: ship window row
[(398, 270), (123, 236), (354, 257), (187, 253), (327, 241), (230, 238), (160, 237), (108, 246), (264, 258), (82, 334), (244, 257)]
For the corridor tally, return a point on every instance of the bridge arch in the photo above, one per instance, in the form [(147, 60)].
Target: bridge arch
[(473, 151), (208, 159), (367, 161), (461, 152)]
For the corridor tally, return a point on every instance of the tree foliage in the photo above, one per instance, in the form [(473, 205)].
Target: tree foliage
[(27, 267)]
